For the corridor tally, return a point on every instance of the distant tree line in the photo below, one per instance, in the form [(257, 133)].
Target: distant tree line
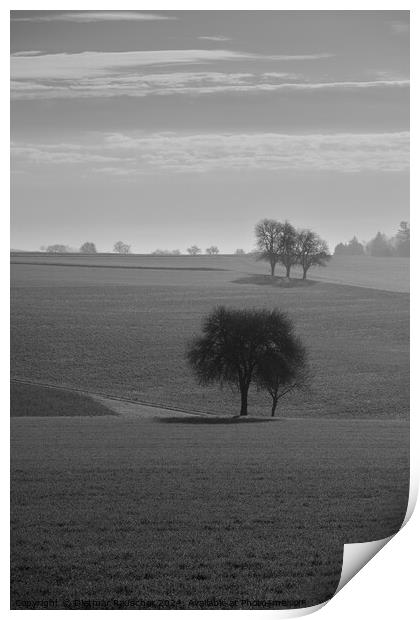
[(159, 252), (380, 246), (281, 243), (86, 248)]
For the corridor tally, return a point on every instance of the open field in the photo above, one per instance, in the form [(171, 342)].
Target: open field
[(139, 510), (124, 331), (136, 511)]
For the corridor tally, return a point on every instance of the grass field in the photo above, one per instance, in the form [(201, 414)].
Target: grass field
[(134, 511), (172, 515), (391, 274)]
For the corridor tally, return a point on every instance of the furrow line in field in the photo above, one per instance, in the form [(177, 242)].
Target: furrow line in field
[(108, 396)]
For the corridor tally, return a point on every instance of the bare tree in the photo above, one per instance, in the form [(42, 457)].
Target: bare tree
[(268, 234), (311, 251), (287, 246), (88, 248), (122, 248), (213, 249), (245, 346), (193, 250)]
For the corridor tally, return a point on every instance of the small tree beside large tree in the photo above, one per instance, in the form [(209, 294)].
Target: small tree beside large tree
[(244, 347), (311, 250)]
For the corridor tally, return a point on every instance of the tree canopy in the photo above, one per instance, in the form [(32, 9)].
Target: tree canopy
[(194, 250), (241, 347), (122, 248), (88, 248), (280, 242)]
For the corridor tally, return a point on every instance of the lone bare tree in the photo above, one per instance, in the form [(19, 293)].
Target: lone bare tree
[(193, 250), (88, 248), (311, 251), (122, 248), (268, 234), (240, 346)]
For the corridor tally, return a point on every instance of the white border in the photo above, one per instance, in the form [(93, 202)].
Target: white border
[(387, 586)]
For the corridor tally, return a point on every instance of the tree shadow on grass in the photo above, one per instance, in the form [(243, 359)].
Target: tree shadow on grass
[(211, 420), (264, 280)]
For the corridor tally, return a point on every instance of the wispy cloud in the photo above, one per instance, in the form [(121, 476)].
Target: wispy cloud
[(400, 27), (90, 16), (138, 154), (214, 38), (184, 83), (89, 64)]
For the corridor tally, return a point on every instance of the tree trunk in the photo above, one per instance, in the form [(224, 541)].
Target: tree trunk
[(273, 266), (244, 400), (288, 271), (274, 407), (304, 274)]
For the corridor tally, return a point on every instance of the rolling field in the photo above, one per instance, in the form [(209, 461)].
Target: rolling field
[(139, 512), (392, 274), (124, 332)]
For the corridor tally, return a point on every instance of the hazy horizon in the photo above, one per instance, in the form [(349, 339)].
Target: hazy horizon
[(171, 128)]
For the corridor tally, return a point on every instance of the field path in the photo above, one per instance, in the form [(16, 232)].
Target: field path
[(123, 406)]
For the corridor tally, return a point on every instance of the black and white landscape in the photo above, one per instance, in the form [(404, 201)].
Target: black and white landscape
[(210, 304)]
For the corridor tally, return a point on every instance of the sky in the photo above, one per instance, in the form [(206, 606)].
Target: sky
[(165, 129)]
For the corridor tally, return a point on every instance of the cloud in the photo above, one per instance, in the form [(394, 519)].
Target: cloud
[(89, 64), (214, 38), (138, 154), (89, 16), (400, 27), (29, 53), (136, 84)]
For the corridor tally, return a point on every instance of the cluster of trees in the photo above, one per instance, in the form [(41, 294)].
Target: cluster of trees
[(57, 248), (281, 242), (122, 248), (245, 347), (159, 252), (352, 248), (380, 245)]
